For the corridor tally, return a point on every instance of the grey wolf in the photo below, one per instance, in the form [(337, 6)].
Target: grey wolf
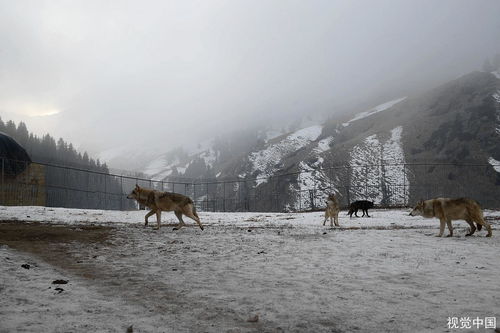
[(332, 210), (165, 201), (446, 210), (364, 205)]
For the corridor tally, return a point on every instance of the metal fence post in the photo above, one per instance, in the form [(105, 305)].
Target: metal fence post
[(105, 193), (366, 181), (3, 181), (121, 193), (405, 200), (206, 198), (224, 196), (194, 192)]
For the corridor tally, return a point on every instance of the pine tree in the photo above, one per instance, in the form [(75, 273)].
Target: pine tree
[(10, 128), (22, 134)]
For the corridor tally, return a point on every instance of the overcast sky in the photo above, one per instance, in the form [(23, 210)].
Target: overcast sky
[(110, 73)]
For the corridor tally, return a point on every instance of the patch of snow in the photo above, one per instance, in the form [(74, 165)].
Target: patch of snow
[(324, 145), (496, 96), (494, 163), (312, 178), (377, 170), (182, 169), (159, 168), (496, 73), (378, 108), (265, 162)]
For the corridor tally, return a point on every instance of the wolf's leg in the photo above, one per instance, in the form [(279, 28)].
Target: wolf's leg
[(336, 217), (148, 215), (326, 218), (472, 229), (158, 219), (192, 216), (356, 212), (181, 221), (441, 227), (367, 213), (450, 227), (481, 221), (190, 211)]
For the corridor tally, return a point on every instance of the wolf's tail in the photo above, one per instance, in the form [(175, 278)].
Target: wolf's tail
[(194, 210), (477, 214), (481, 216)]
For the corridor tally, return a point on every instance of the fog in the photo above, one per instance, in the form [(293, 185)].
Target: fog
[(106, 74)]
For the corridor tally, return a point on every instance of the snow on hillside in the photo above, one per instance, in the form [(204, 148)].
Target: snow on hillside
[(313, 178), (266, 162), (205, 151), (162, 166), (496, 96), (378, 108), (395, 177), (128, 157), (496, 73), (494, 163), (365, 181), (324, 145), (381, 182)]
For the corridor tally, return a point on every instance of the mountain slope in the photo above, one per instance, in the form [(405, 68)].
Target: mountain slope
[(456, 123)]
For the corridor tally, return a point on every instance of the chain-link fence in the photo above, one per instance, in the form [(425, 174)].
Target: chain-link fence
[(386, 184)]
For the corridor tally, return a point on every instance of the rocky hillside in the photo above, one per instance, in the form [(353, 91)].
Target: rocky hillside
[(412, 145)]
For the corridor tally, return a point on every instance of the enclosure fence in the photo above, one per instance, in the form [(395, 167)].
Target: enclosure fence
[(386, 184)]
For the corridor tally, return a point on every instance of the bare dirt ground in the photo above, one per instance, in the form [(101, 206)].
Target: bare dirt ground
[(243, 278)]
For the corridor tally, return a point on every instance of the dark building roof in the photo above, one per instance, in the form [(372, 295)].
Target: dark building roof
[(15, 158)]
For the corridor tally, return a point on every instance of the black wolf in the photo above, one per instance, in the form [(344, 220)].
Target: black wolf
[(364, 205)]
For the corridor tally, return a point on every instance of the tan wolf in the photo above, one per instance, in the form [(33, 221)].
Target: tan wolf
[(446, 210), (165, 201), (332, 210)]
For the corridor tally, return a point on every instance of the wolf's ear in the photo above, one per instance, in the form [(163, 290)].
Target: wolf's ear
[(137, 186)]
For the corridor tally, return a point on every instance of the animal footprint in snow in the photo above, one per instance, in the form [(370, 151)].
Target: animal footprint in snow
[(253, 319)]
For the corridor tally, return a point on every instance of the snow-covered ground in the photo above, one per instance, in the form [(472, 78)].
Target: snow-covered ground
[(246, 272)]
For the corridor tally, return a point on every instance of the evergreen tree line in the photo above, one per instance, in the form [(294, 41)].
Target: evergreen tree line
[(46, 150)]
